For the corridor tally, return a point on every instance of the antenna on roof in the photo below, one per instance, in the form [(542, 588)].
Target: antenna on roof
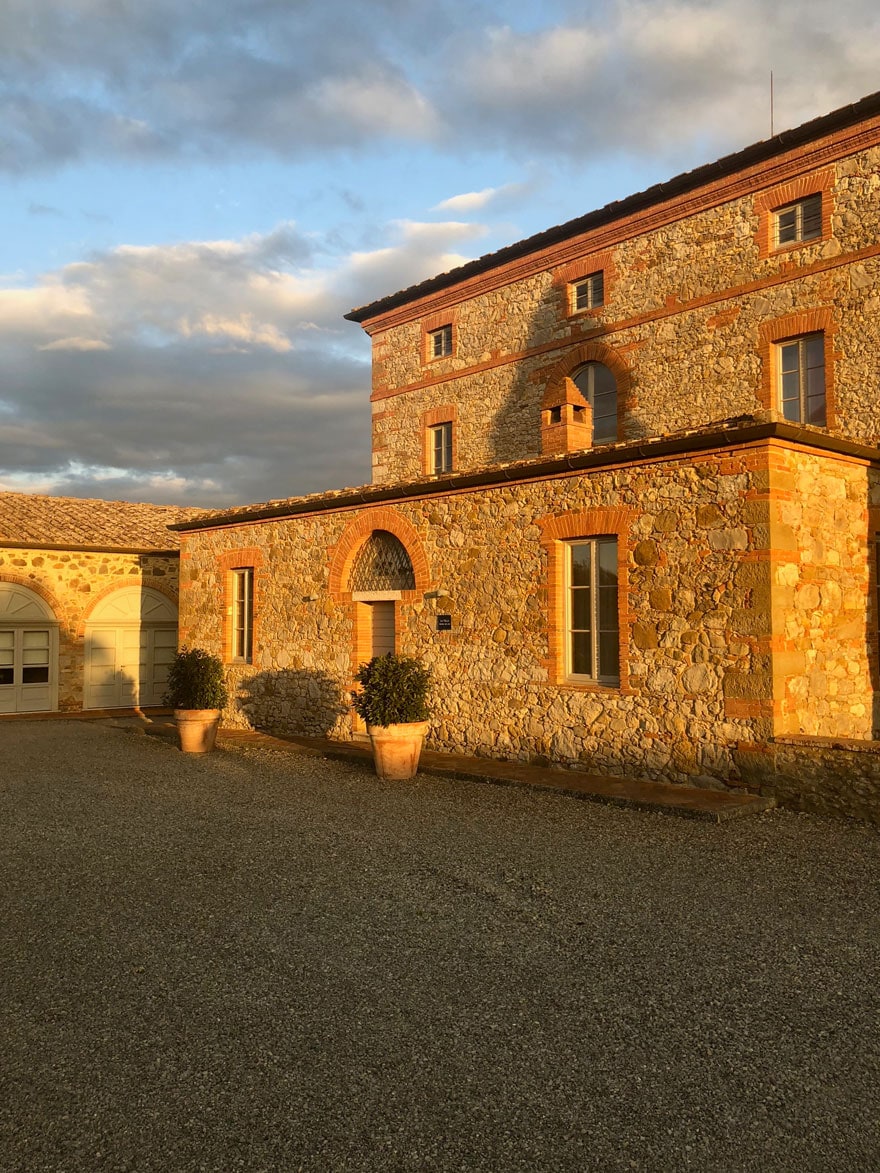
[(771, 103)]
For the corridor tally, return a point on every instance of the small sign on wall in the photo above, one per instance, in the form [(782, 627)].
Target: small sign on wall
[(444, 623)]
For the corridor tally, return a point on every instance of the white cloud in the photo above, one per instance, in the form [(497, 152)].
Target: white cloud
[(165, 79), (76, 344), (654, 76), (209, 372), (469, 201)]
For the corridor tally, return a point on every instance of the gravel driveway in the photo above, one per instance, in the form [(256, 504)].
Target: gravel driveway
[(263, 960)]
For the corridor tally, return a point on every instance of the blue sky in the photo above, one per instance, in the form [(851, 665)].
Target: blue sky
[(194, 194)]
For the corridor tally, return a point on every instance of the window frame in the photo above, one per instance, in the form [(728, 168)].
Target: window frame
[(443, 432), (596, 676), (797, 207), (443, 335), (241, 641), (593, 284), (590, 395), (801, 342)]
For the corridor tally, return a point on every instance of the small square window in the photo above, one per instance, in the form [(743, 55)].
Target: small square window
[(440, 342), (589, 292), (441, 448), (798, 222)]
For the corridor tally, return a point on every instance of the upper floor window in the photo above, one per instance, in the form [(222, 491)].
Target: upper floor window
[(799, 221), (440, 342), (801, 367), (440, 443), (592, 626), (589, 292), (598, 386), (243, 614)]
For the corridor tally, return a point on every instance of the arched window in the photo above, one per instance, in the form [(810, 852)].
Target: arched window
[(598, 386), (382, 564)]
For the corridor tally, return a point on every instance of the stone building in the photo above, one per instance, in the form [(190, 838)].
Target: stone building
[(88, 603), (625, 494)]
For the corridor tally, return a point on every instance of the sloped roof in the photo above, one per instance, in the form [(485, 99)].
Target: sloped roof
[(742, 429), (82, 523), (689, 181)]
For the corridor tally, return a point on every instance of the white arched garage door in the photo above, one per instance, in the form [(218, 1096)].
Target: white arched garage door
[(131, 638), (28, 652)]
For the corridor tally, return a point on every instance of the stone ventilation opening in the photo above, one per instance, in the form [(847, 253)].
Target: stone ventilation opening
[(382, 565)]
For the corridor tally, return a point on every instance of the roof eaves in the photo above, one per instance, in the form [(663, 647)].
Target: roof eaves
[(679, 185), (721, 434)]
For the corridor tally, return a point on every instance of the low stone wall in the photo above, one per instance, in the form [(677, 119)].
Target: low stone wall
[(822, 775)]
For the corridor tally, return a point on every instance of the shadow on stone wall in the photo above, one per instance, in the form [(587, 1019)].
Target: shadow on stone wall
[(309, 703), (515, 429)]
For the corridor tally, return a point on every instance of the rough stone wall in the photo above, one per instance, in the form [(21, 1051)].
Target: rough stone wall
[(693, 628), (827, 777), (684, 308), (71, 581), (825, 655)]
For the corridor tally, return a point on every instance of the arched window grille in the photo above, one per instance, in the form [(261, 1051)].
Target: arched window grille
[(382, 564)]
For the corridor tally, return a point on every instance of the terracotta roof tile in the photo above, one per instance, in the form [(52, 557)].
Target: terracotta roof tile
[(77, 522)]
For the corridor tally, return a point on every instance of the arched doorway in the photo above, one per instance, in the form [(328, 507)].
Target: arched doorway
[(380, 573), (130, 641), (28, 652)]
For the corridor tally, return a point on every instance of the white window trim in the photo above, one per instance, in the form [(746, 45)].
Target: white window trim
[(797, 206), (800, 341), (443, 336), (242, 642), (18, 687), (444, 430), (579, 677), (594, 297)]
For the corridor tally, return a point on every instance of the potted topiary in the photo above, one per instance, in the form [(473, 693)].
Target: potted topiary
[(197, 693), (393, 700)]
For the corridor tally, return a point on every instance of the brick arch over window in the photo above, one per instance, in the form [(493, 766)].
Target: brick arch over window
[(121, 584), (818, 183), (559, 376), (819, 320), (357, 532)]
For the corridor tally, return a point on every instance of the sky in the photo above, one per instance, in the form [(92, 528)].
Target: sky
[(193, 195)]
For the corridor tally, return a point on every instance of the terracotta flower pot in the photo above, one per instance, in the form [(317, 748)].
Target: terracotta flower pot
[(396, 749), (197, 729)]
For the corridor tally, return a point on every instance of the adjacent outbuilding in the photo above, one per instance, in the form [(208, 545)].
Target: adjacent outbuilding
[(88, 603)]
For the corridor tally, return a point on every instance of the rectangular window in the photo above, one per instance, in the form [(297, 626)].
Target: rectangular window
[(440, 342), (441, 448), (35, 657), (593, 636), (589, 293), (243, 614), (7, 657), (799, 221), (801, 363)]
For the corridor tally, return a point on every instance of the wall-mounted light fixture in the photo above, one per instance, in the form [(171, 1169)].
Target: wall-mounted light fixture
[(440, 593), (310, 598)]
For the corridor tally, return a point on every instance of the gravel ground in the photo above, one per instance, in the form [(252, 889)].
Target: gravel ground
[(263, 960)]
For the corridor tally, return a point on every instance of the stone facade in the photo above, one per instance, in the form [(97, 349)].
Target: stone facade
[(703, 589), (745, 614), (689, 307)]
